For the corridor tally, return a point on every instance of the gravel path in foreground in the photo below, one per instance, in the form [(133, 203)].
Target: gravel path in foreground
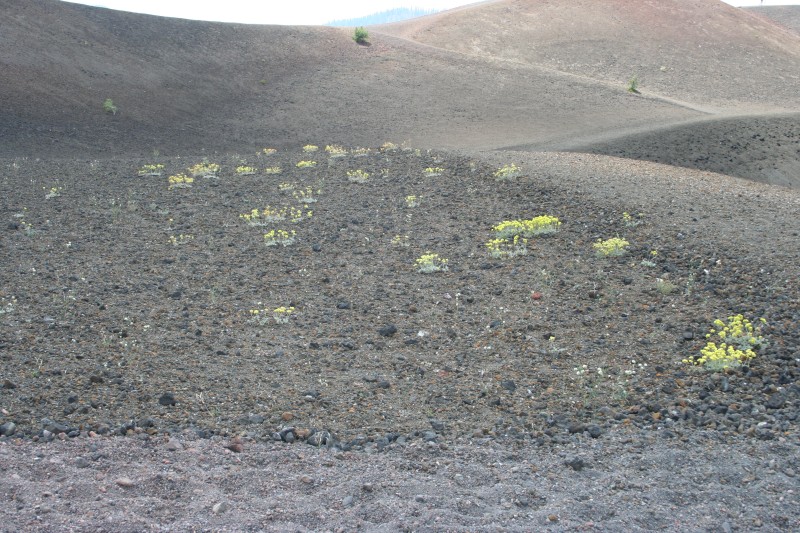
[(627, 482)]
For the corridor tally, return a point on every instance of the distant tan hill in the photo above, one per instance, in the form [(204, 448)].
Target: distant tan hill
[(700, 51)]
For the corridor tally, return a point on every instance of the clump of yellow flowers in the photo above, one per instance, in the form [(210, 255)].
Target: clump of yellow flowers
[(413, 200), (205, 170), (279, 236), (631, 222), (357, 176), (429, 263), (334, 150), (507, 172), (151, 170), (180, 239), (245, 170), (280, 315), (541, 225), (274, 214), (613, 247), (739, 341), (180, 181), (506, 249), (432, 172), (306, 196), (306, 164), (310, 148)]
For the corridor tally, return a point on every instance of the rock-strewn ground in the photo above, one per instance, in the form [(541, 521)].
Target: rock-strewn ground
[(127, 311)]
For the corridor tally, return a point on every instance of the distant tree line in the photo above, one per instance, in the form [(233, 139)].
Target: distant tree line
[(384, 17)]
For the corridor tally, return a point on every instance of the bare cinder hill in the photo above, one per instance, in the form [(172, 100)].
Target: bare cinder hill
[(181, 84), (786, 16), (703, 52), (509, 74)]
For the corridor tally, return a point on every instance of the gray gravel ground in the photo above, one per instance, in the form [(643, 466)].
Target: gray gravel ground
[(628, 482)]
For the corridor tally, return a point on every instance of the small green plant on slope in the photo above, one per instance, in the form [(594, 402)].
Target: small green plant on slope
[(633, 85), (360, 35), (739, 341), (109, 107)]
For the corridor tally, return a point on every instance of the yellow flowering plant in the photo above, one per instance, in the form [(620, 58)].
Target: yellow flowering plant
[(269, 151), (180, 181), (306, 164), (262, 317), (272, 170), (613, 247), (429, 263), (730, 344), (400, 240), (269, 215), (413, 200), (357, 176), (310, 148), (282, 237), (506, 249), (282, 314), (306, 196), (630, 221), (204, 170), (334, 150), (180, 239), (537, 226), (432, 172), (245, 170), (507, 172), (150, 170)]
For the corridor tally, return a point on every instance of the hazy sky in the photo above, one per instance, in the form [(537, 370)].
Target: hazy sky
[(298, 11)]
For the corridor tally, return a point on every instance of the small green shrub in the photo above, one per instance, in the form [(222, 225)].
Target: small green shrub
[(109, 107), (633, 85), (360, 35)]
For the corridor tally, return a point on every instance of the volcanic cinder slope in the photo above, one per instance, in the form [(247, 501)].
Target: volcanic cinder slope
[(530, 75)]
